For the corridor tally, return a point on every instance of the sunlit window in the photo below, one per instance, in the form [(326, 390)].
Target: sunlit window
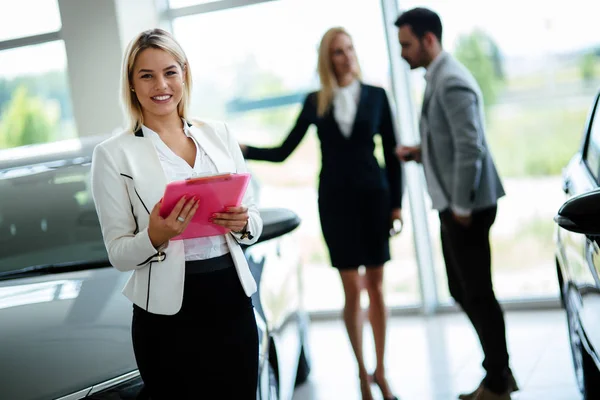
[(538, 68), (35, 102), (28, 17), (256, 76)]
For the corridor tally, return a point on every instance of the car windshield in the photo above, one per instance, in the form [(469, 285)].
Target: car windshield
[(47, 216)]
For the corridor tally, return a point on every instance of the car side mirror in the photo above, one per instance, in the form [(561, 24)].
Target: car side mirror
[(581, 214)]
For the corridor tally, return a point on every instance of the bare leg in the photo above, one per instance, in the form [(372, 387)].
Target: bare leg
[(353, 318), (378, 319)]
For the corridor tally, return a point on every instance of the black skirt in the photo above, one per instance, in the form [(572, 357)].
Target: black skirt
[(209, 349), (356, 225)]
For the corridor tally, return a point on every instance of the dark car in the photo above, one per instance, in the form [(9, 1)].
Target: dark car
[(64, 324), (578, 256)]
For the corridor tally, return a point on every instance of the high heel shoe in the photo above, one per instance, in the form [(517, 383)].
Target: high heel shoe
[(374, 380)]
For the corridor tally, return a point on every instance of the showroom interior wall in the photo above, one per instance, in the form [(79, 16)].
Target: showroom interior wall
[(94, 34)]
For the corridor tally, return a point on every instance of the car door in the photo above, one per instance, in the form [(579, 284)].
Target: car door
[(580, 254), (278, 265), (281, 299)]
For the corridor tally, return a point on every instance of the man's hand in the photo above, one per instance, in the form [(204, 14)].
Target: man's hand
[(464, 220), (409, 153)]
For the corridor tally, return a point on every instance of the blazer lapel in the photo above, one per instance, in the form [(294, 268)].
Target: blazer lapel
[(423, 122), (361, 108), (360, 111), (431, 83), (426, 97), (210, 141), (149, 178)]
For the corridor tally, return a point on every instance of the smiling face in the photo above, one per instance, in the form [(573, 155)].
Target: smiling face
[(157, 79)]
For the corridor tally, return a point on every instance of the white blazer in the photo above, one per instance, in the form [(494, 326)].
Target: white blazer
[(127, 181)]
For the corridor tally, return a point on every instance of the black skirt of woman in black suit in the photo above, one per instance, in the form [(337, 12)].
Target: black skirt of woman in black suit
[(356, 195)]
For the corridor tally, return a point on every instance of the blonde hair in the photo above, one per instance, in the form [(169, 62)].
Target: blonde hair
[(326, 72), (155, 39)]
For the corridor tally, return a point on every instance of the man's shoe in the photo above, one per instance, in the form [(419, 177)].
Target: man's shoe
[(512, 387)]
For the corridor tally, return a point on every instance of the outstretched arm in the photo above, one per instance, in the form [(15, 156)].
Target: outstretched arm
[(282, 152)]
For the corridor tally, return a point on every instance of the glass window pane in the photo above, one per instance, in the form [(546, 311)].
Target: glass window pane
[(537, 93), (35, 102), (29, 17), (256, 80)]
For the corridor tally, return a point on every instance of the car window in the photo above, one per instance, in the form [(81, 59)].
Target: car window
[(592, 151), (47, 216)]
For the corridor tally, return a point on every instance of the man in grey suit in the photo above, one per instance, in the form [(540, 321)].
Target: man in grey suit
[(464, 187)]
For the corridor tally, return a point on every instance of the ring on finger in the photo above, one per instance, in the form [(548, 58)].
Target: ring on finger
[(180, 219)]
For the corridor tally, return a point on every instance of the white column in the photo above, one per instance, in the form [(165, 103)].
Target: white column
[(95, 33), (415, 180)]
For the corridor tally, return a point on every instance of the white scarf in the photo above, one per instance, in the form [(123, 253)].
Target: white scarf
[(345, 103)]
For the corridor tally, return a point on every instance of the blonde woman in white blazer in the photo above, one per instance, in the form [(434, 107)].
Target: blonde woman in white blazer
[(193, 324)]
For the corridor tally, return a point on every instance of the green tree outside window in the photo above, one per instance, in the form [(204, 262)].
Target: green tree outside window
[(480, 54), (27, 120)]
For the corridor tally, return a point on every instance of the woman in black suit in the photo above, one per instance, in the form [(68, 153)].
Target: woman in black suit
[(358, 200)]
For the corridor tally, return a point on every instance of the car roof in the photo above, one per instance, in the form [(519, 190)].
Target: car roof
[(36, 154)]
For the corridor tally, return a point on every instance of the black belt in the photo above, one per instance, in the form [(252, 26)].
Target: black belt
[(209, 265)]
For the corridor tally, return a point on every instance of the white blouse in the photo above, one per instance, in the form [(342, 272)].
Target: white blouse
[(345, 103), (176, 168)]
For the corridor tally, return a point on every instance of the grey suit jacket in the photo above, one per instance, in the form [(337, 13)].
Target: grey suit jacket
[(458, 166)]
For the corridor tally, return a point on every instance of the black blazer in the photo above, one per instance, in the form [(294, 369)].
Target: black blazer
[(347, 163)]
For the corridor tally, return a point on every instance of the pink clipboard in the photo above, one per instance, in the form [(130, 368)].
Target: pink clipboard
[(216, 193)]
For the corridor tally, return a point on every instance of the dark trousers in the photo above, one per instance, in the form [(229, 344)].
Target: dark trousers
[(208, 350), (468, 266)]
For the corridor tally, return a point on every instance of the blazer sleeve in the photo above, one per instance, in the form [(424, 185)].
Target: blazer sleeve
[(461, 108), (127, 248), (255, 222), (281, 153), (393, 166)]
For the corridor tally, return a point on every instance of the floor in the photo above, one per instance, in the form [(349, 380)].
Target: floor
[(437, 358)]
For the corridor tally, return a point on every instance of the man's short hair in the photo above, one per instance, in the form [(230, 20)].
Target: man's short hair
[(421, 20)]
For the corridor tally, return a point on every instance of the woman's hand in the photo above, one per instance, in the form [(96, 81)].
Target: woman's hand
[(396, 228), (234, 218), (161, 230)]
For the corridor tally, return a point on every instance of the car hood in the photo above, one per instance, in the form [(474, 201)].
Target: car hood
[(62, 333)]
